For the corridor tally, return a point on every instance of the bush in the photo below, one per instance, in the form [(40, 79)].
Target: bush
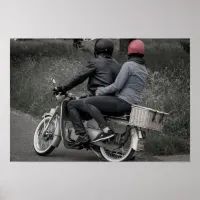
[(163, 144), (167, 90)]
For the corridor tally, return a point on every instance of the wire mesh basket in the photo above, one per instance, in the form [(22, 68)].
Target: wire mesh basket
[(147, 118)]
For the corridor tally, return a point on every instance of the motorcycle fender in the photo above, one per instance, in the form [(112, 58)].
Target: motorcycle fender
[(49, 114), (134, 139), (57, 135)]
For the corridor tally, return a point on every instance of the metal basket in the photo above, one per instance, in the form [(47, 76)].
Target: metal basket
[(147, 118)]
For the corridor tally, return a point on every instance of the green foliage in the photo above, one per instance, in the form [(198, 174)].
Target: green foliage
[(169, 90)]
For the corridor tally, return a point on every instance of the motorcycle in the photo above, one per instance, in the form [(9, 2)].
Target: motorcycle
[(53, 129)]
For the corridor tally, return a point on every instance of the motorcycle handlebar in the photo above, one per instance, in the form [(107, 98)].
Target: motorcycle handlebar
[(59, 91)]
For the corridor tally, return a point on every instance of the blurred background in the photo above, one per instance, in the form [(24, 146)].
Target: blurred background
[(33, 62)]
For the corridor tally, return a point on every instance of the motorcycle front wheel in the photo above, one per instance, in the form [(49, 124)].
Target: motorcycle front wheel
[(43, 144), (123, 154)]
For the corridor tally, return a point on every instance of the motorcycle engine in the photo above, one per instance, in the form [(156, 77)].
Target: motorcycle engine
[(117, 125)]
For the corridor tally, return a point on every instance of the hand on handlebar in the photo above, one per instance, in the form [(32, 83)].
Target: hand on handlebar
[(61, 91), (58, 90)]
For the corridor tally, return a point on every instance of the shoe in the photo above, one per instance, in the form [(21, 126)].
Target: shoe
[(103, 136), (82, 139)]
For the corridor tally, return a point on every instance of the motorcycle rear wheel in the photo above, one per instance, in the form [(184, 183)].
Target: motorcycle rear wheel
[(41, 146), (118, 155)]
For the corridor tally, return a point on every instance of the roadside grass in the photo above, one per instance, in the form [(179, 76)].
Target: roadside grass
[(163, 144)]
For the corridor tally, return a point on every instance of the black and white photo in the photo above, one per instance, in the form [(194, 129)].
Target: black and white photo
[(100, 100)]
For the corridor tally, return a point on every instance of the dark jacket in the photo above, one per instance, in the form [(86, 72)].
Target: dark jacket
[(100, 71)]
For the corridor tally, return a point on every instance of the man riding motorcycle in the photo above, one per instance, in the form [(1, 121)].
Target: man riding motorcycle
[(101, 72)]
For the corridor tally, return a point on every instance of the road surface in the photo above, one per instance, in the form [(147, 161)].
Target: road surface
[(22, 129)]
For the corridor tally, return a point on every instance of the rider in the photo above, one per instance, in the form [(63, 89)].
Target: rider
[(128, 88), (101, 71)]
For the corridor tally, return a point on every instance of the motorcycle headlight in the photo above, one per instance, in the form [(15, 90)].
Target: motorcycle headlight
[(52, 111), (60, 98)]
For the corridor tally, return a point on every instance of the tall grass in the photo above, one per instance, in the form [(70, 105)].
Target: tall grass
[(169, 92), (34, 63)]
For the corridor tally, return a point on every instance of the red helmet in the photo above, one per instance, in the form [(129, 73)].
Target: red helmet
[(136, 46)]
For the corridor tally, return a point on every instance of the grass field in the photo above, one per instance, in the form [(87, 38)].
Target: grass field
[(34, 62)]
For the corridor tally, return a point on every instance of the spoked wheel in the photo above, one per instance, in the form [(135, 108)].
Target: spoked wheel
[(124, 153), (97, 152), (43, 144)]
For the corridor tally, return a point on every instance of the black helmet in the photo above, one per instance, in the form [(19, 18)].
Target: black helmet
[(103, 46)]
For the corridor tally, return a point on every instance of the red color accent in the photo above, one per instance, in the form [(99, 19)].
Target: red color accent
[(136, 46)]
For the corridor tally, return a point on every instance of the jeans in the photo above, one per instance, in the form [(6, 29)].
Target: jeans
[(95, 107)]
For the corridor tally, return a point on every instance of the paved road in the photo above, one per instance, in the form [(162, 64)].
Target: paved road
[(21, 144)]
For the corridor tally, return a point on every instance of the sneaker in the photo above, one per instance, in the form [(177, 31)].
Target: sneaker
[(82, 139), (103, 136)]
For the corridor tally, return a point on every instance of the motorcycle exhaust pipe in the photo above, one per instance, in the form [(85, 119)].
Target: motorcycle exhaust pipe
[(134, 139)]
